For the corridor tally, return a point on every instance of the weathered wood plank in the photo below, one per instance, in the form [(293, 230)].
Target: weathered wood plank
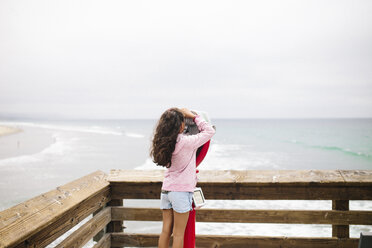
[(44, 218), (273, 242), (69, 220), (134, 240), (135, 190), (256, 178), (244, 192), (150, 240), (357, 177), (254, 216), (104, 242), (100, 234), (137, 176), (87, 231), (340, 231), (276, 192), (260, 185)]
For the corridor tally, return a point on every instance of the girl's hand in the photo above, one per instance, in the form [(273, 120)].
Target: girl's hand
[(187, 113)]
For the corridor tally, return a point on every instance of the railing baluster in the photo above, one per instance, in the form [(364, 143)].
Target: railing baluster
[(115, 226), (340, 231)]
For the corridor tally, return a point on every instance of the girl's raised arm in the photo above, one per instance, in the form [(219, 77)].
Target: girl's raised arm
[(206, 133)]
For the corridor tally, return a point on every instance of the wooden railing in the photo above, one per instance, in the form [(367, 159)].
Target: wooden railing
[(39, 221)]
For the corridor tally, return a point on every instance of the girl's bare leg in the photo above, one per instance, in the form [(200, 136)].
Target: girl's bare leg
[(180, 221), (167, 228)]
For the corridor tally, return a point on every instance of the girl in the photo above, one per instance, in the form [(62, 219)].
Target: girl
[(177, 152)]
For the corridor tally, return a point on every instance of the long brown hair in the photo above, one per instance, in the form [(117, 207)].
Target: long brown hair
[(165, 137)]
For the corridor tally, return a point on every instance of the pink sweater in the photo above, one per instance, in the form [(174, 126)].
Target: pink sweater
[(181, 176)]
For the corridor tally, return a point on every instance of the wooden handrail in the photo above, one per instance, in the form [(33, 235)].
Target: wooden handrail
[(39, 221), (252, 185), (340, 186)]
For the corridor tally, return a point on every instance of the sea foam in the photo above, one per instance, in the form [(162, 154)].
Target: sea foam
[(73, 128), (58, 147)]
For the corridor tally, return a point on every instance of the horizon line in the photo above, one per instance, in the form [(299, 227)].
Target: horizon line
[(141, 118)]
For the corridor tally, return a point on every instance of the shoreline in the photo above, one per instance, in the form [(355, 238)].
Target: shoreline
[(8, 130)]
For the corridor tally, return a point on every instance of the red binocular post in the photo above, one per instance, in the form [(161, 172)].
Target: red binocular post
[(189, 238)]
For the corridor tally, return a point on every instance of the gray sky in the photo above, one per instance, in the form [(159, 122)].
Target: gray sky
[(134, 59)]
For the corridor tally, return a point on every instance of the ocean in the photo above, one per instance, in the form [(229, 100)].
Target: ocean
[(48, 154)]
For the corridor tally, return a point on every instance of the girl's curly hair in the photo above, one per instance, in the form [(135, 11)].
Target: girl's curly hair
[(165, 137)]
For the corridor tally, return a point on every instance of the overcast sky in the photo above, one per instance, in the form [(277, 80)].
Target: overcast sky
[(233, 59)]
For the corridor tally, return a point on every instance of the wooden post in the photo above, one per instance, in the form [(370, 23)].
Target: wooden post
[(115, 226), (340, 231)]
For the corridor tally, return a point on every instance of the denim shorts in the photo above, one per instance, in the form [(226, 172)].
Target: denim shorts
[(181, 202)]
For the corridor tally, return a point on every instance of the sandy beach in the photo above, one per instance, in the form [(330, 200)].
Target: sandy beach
[(56, 153), (6, 130)]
